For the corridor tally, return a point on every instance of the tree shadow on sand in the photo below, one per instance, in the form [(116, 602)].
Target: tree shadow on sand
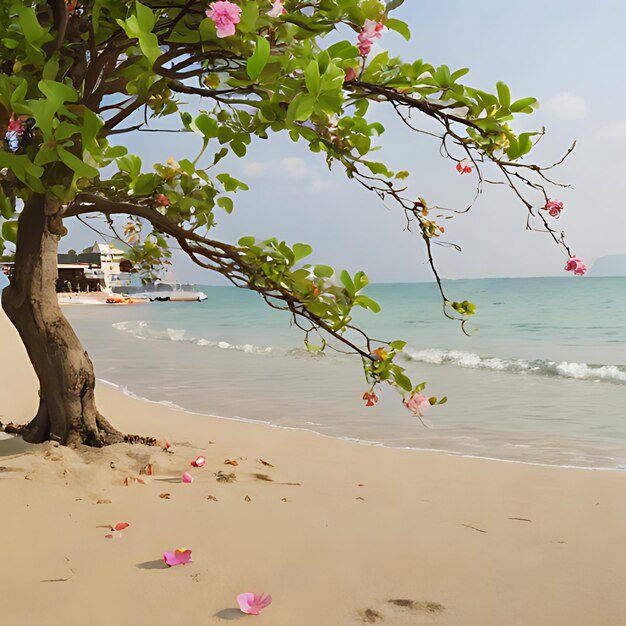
[(13, 445), (229, 614)]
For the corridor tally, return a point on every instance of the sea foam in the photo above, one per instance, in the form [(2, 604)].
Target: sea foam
[(581, 371)]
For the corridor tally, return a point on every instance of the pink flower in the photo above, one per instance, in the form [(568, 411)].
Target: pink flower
[(166, 445), (370, 397), (198, 462), (417, 403), (253, 604), (351, 74), (16, 125), (226, 15), (574, 264), (163, 200), (187, 477), (464, 167), (553, 207), (277, 8), (121, 526), (369, 33), (178, 557)]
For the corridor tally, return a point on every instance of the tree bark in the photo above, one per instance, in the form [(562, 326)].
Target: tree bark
[(67, 410)]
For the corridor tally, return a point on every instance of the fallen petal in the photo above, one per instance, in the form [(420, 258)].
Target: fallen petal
[(245, 600), (253, 604), (177, 557), (187, 477), (183, 556), (198, 462), (121, 526), (170, 559)]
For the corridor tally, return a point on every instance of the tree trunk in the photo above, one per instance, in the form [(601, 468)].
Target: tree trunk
[(67, 410)]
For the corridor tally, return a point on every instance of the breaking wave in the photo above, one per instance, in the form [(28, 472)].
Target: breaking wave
[(615, 374), (144, 330)]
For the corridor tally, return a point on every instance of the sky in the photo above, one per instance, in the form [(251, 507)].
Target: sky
[(569, 55)]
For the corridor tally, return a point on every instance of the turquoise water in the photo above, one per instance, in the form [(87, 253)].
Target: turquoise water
[(541, 378)]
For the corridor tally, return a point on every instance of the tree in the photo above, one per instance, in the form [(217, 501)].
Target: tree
[(75, 73)]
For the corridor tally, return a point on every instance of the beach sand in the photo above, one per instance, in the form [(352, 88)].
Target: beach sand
[(343, 534)]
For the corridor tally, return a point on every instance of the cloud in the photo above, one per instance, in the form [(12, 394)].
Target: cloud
[(567, 106), (296, 168), (292, 169), (613, 132), (256, 169)]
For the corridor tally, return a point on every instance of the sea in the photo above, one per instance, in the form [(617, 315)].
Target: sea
[(539, 378)]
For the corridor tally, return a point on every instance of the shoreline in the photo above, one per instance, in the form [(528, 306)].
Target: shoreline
[(338, 533), (354, 440)]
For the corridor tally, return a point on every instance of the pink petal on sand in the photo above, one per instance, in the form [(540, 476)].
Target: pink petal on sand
[(108, 536), (253, 604), (178, 557), (121, 525), (183, 556), (187, 477), (198, 462)]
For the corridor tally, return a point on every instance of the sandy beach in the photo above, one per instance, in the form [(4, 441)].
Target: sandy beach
[(338, 533)]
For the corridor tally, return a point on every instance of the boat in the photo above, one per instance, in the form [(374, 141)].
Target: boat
[(168, 289), (175, 295)]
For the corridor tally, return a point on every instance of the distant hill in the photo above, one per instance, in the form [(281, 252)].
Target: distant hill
[(610, 265)]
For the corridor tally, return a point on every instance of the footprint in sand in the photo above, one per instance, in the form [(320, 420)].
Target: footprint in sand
[(370, 616), (403, 611)]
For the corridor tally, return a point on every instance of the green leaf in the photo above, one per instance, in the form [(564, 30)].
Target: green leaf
[(504, 94), (367, 303), (393, 4), (9, 231), (246, 242), (149, 45), (343, 50), (257, 62), (312, 77), (400, 27), (58, 92), (323, 271), (51, 68), (146, 184), (77, 165), (6, 207), (226, 203), (32, 29), (114, 152), (523, 103), (145, 17), (459, 73), (206, 124), (19, 92), (525, 143), (347, 282), (249, 18), (397, 345), (301, 107), (301, 250), (378, 168), (230, 183), (403, 381)]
